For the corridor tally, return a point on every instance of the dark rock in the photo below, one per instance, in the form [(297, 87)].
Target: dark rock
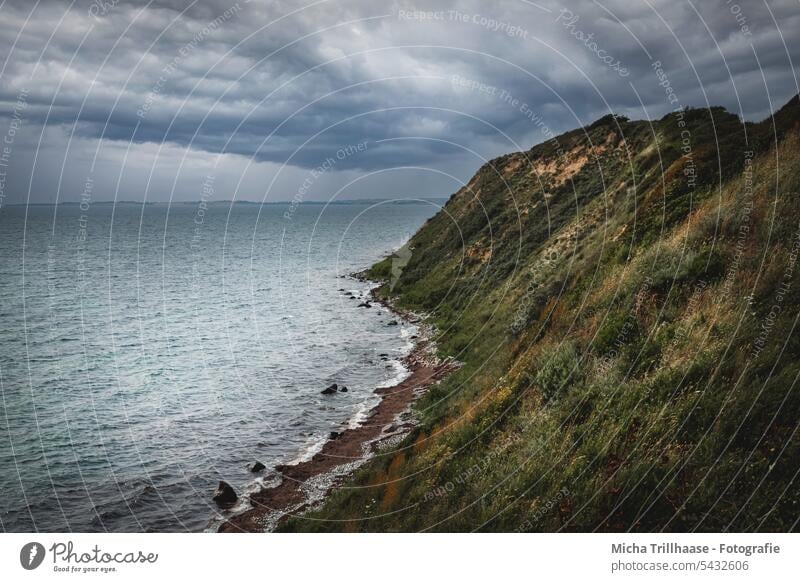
[(257, 467), (393, 322), (364, 304), (351, 297), (335, 435), (414, 337), (343, 389), (332, 389), (225, 496)]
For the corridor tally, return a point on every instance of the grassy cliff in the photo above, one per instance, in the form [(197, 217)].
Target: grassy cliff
[(624, 299)]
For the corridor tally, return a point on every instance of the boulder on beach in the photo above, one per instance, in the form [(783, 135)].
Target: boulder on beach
[(225, 496), (257, 467), (332, 389)]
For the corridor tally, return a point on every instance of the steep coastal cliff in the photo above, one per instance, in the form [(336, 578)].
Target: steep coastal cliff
[(624, 299)]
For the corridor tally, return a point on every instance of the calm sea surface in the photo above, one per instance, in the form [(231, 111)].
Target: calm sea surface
[(148, 351)]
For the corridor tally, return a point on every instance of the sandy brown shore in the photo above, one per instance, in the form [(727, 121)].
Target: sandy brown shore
[(302, 484)]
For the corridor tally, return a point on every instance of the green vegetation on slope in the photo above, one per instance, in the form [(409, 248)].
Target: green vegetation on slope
[(624, 300)]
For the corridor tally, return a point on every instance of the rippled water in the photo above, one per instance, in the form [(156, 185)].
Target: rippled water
[(148, 351)]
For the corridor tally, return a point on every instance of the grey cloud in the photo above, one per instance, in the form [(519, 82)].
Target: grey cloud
[(259, 84)]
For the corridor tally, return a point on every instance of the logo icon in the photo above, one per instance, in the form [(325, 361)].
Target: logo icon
[(400, 259), (31, 555)]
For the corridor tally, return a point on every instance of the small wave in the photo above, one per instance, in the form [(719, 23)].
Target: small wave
[(269, 479), (361, 413), (312, 447), (409, 333), (315, 443), (401, 372)]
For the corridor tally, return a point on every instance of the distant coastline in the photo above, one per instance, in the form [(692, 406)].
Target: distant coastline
[(423, 200)]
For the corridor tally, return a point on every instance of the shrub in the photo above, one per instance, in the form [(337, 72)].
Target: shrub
[(618, 329), (558, 367)]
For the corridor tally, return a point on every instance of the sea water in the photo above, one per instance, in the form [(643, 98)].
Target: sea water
[(148, 351)]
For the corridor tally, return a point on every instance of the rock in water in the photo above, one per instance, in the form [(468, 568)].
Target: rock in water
[(393, 322), (225, 496), (334, 435), (331, 389), (257, 467), (364, 304), (343, 389)]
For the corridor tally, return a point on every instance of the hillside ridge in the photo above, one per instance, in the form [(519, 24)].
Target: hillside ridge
[(624, 299)]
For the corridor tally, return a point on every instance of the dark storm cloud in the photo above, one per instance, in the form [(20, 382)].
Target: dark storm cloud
[(254, 85)]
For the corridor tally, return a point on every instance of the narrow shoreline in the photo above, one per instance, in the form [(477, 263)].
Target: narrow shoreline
[(305, 484)]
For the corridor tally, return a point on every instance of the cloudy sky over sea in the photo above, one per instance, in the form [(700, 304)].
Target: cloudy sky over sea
[(388, 99)]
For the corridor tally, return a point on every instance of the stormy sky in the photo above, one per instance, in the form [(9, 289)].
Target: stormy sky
[(280, 100)]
